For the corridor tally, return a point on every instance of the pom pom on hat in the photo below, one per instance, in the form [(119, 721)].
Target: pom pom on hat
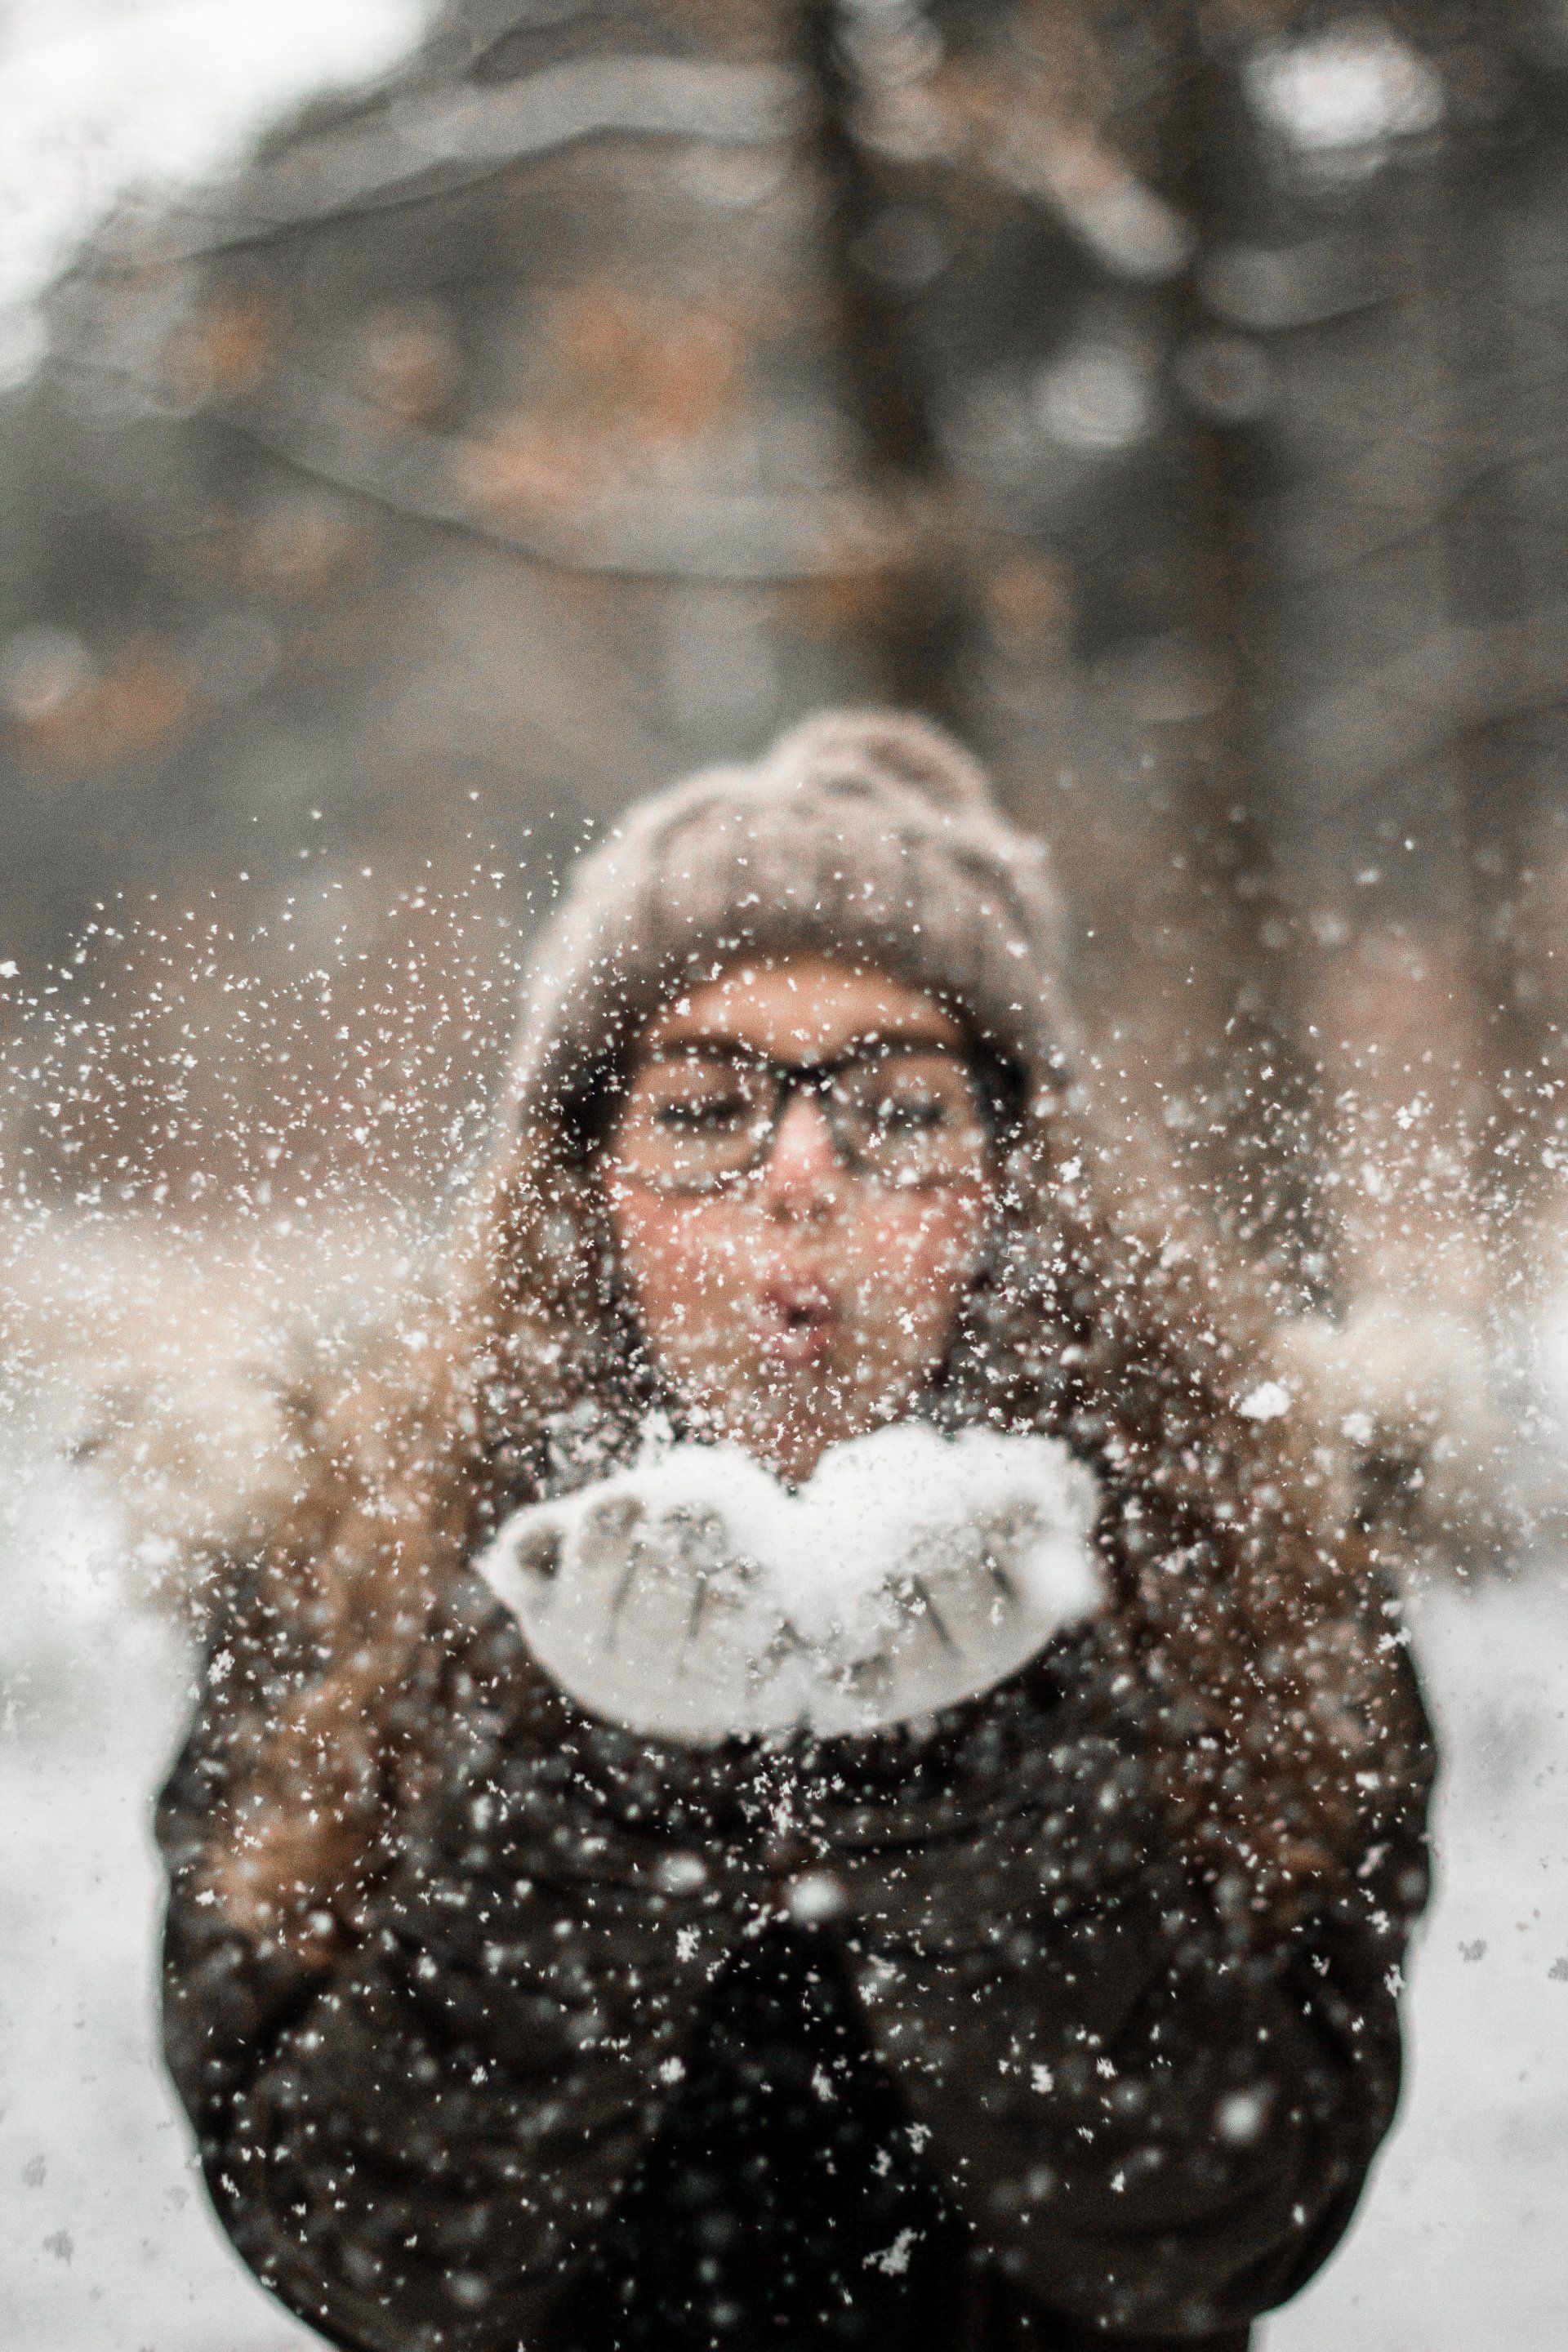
[(883, 747)]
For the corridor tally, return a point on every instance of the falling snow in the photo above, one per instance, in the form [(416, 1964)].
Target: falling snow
[(739, 1576)]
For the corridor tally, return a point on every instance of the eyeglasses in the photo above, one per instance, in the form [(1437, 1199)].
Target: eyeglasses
[(902, 1114)]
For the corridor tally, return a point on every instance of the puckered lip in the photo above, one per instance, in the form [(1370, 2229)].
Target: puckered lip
[(796, 1318)]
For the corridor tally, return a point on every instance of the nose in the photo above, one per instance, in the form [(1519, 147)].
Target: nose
[(801, 1179)]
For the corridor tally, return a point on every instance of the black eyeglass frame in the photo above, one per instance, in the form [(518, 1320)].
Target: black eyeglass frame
[(991, 1080)]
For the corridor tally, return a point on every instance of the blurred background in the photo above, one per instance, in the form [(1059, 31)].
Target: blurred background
[(425, 426)]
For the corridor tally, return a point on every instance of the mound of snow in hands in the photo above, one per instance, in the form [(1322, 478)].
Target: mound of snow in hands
[(692, 1597)]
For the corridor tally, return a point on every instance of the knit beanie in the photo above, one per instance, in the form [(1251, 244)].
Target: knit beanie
[(870, 836)]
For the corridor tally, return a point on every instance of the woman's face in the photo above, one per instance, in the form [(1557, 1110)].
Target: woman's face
[(814, 1296)]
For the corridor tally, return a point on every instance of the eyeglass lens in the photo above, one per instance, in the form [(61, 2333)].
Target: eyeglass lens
[(903, 1118)]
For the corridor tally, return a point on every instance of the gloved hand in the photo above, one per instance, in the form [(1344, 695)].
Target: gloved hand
[(693, 1598)]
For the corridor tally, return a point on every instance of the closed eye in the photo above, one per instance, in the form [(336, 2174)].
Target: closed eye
[(911, 1117), (702, 1117)]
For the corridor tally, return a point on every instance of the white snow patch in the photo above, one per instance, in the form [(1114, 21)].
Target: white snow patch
[(107, 2240), (1457, 2245), (1351, 86), (894, 2261), (1270, 1401)]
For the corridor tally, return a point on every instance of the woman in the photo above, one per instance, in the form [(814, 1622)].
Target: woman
[(805, 1770)]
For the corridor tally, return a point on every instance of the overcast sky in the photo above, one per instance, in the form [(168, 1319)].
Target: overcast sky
[(99, 99)]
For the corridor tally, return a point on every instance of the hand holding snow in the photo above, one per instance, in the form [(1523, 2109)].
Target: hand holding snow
[(693, 1598)]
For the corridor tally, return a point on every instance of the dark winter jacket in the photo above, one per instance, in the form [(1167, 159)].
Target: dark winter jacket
[(917, 2040)]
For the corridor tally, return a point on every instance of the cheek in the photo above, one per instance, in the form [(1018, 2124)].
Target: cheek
[(681, 1262), (917, 1254)]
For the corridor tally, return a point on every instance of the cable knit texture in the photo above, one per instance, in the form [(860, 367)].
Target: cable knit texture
[(860, 834)]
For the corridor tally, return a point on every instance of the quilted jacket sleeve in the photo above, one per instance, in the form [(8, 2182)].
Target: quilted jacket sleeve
[(1156, 2123)]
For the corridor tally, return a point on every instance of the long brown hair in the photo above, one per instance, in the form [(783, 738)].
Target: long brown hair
[(1249, 1619)]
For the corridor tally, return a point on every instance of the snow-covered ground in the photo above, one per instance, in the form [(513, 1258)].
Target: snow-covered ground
[(1459, 2246), (106, 2243)]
